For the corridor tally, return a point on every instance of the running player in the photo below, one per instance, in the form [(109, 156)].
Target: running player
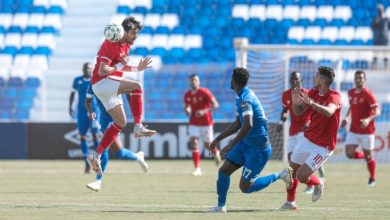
[(249, 149), (363, 109), (80, 85), (199, 103)]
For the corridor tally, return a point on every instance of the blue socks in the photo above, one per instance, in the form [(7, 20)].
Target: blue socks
[(104, 162), (126, 154), (223, 184), (263, 182), (84, 150)]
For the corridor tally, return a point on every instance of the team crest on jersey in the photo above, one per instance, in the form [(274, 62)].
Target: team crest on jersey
[(244, 106), (361, 100)]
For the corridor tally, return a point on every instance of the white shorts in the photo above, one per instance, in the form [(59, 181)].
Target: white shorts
[(309, 153), (203, 132), (107, 92), (367, 141), (293, 141)]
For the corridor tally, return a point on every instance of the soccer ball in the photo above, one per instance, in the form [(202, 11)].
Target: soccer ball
[(113, 32)]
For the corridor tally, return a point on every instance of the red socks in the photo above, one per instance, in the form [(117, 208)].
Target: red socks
[(108, 137), (196, 158), (371, 164), (313, 181), (136, 105), (292, 191)]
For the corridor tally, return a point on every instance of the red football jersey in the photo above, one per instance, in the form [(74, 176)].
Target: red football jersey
[(361, 104), (201, 99), (111, 53), (323, 130), (297, 122)]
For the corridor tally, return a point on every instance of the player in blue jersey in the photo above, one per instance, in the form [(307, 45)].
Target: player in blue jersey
[(80, 85), (250, 148), (121, 153)]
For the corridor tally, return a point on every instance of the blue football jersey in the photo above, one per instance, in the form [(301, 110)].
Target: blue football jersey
[(80, 85), (247, 103)]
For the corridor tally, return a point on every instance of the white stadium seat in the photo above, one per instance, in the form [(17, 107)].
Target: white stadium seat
[(13, 39), (192, 41), (44, 3), (29, 40), (363, 33), (53, 20), (2, 36), (175, 40), (152, 20), (39, 62), (387, 12), (128, 3), (291, 12), (325, 12), (118, 18), (169, 20), (36, 20), (329, 33), (342, 12), (160, 40), (144, 40), (46, 40), (34, 72), (5, 20), (4, 72), (18, 72), (20, 20), (257, 11), (157, 62), (296, 32), (312, 32), (62, 3), (6, 61), (308, 12), (346, 33), (22, 61), (240, 11), (274, 12)]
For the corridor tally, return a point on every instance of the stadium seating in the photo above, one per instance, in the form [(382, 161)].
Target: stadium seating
[(28, 29)]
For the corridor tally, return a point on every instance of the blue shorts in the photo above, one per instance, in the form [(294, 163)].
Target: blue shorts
[(252, 158), (83, 124)]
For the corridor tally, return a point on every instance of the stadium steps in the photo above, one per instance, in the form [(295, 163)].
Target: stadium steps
[(78, 43)]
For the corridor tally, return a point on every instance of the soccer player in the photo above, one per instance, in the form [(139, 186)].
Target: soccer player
[(319, 140), (80, 85), (121, 153), (363, 109), (250, 148), (108, 84), (199, 103), (298, 123)]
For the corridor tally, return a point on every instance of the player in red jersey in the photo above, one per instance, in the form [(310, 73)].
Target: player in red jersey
[(298, 123), (108, 85), (319, 140), (199, 103), (363, 109)]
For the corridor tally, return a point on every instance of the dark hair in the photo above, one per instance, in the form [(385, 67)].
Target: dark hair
[(294, 73), (85, 65), (241, 76), (193, 75), (327, 73), (131, 23), (360, 72)]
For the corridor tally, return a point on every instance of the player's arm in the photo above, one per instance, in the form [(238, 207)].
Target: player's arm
[(298, 106), (233, 128), (71, 99), (344, 122), (327, 110), (142, 65), (247, 125), (375, 112), (283, 118), (187, 109), (105, 69), (88, 106)]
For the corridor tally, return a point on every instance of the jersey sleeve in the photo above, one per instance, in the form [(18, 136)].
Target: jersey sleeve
[(186, 102), (335, 98), (106, 53), (208, 95), (372, 102), (246, 107), (90, 93), (284, 100)]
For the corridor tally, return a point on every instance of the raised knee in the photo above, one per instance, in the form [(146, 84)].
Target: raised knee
[(137, 86), (302, 179)]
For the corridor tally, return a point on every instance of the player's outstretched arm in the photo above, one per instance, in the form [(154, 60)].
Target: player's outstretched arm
[(233, 128), (88, 106), (297, 105), (344, 122), (71, 99)]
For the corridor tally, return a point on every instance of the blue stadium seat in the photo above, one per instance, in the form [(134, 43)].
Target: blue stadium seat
[(141, 51), (123, 10), (32, 82), (15, 82)]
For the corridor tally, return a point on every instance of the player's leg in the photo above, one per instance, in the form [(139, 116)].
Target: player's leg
[(194, 132), (134, 91), (207, 134), (368, 146), (82, 124), (352, 142), (96, 185), (126, 154), (95, 127), (234, 160), (255, 161), (291, 203)]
